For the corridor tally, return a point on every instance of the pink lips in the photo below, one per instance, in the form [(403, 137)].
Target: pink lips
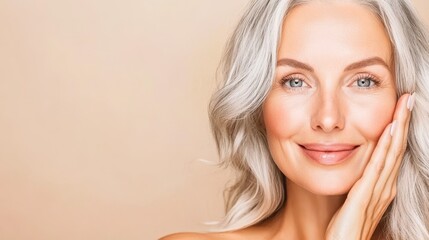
[(328, 154)]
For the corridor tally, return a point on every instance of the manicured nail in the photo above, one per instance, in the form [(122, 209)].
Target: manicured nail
[(392, 128), (410, 102)]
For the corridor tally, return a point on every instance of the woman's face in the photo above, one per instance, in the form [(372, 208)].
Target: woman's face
[(333, 95)]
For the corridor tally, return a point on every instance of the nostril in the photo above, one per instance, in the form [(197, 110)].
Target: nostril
[(327, 119)]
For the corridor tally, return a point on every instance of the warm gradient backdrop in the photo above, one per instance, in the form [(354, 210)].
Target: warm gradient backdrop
[(103, 116)]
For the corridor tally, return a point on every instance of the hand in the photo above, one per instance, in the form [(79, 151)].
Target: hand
[(370, 196)]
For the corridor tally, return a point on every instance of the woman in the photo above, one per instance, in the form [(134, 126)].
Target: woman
[(314, 114)]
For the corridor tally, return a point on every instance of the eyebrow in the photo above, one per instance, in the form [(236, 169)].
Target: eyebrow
[(356, 65), (367, 62), (294, 64)]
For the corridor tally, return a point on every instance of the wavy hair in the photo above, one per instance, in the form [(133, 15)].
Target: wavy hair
[(247, 72)]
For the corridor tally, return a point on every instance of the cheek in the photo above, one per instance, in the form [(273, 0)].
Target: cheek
[(372, 119), (283, 117)]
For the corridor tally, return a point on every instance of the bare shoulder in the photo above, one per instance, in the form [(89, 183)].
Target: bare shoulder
[(233, 235), (263, 230), (185, 236)]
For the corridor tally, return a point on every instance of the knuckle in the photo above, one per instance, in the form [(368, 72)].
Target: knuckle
[(393, 192), (402, 148), (385, 198), (388, 197), (379, 167), (398, 152)]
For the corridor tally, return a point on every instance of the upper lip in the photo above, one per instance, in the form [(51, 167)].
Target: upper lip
[(329, 147)]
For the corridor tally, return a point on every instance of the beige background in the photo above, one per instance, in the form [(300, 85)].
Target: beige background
[(103, 116)]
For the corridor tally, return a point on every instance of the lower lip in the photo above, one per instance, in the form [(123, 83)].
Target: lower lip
[(328, 158)]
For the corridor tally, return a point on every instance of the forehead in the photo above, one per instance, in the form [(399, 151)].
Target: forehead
[(334, 29)]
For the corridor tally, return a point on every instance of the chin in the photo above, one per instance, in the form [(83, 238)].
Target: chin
[(330, 191), (329, 187), (325, 184)]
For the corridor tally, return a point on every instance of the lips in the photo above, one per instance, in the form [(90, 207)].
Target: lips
[(329, 154)]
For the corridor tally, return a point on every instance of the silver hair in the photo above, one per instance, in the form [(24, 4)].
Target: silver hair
[(247, 72)]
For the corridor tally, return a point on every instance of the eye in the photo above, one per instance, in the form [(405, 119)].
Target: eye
[(293, 82), (366, 81)]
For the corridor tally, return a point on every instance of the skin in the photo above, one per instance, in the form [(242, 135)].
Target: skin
[(329, 105)]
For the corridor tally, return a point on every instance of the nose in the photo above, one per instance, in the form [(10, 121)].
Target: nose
[(327, 113)]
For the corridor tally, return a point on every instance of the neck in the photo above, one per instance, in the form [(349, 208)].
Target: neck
[(305, 214)]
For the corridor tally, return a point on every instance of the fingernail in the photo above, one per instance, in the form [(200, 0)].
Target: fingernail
[(392, 128), (410, 102)]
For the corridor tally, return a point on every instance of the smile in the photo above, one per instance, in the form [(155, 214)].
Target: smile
[(329, 154)]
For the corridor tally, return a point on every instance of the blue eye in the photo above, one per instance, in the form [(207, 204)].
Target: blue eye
[(296, 82), (365, 82), (293, 82)]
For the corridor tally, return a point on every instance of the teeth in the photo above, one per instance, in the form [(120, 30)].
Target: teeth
[(327, 155)]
